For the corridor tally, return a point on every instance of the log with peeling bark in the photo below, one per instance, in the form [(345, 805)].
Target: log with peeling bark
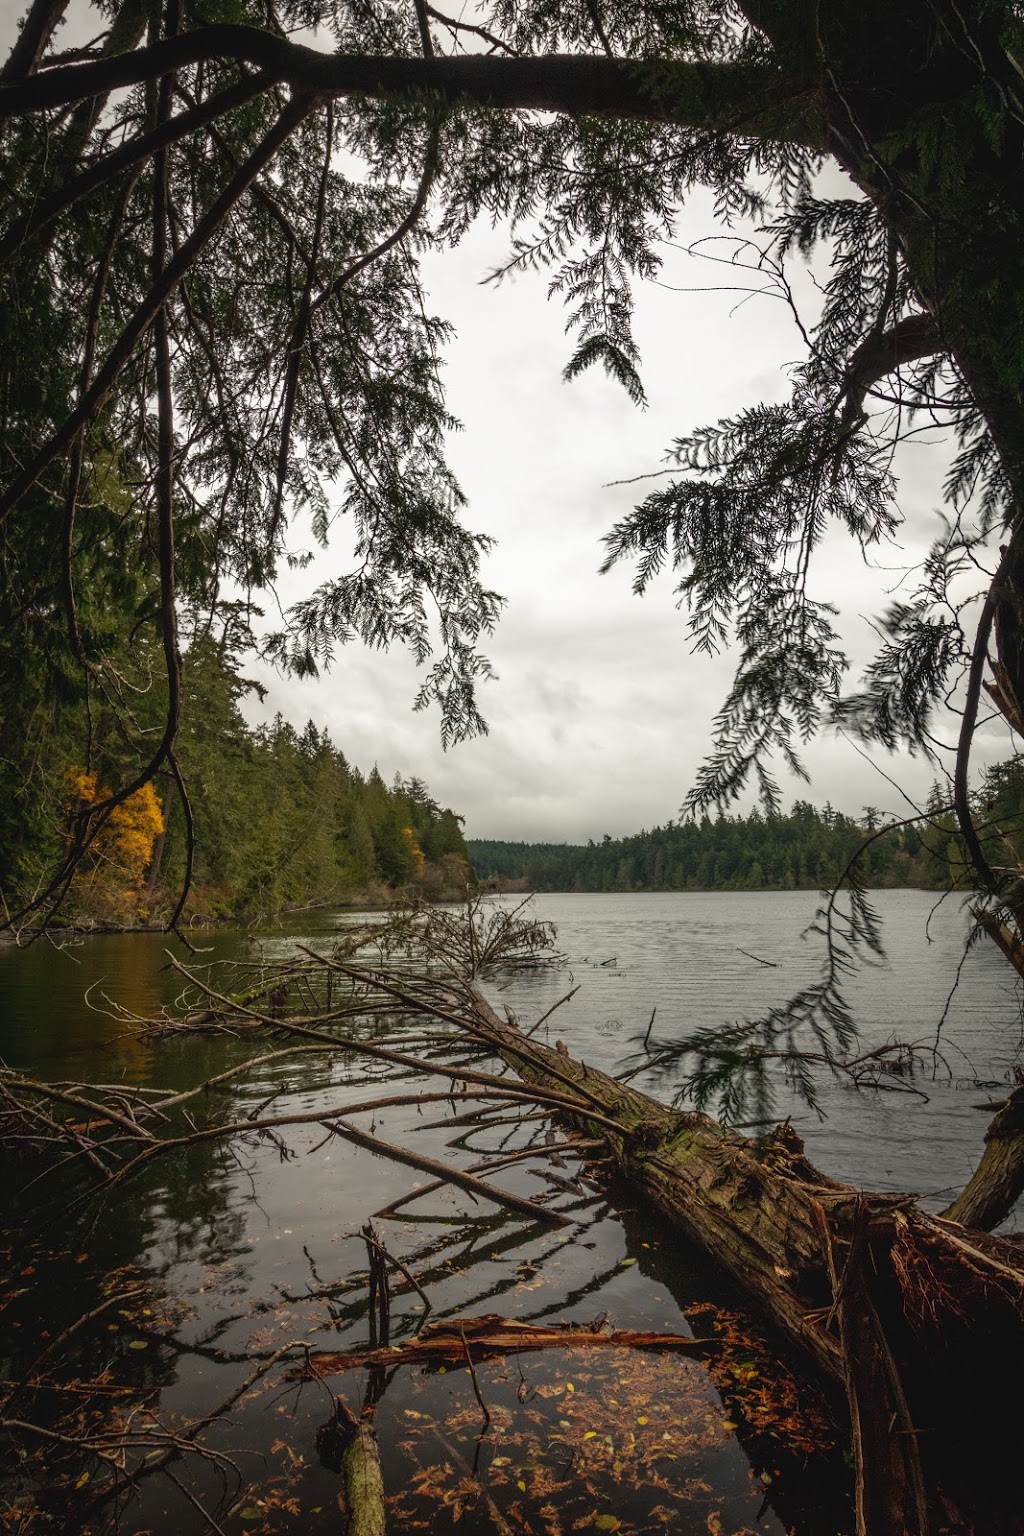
[(919, 1317), (445, 1343)]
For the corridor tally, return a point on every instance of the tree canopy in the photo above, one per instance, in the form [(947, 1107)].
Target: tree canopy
[(213, 323)]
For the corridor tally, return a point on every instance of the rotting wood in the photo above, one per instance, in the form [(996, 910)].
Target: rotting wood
[(364, 1483), (922, 1319), (998, 1181), (784, 1231), (445, 1343), (938, 1306)]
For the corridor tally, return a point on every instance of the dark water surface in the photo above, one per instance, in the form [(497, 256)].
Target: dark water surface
[(257, 1245)]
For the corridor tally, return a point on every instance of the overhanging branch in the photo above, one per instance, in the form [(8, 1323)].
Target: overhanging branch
[(759, 101), (882, 353)]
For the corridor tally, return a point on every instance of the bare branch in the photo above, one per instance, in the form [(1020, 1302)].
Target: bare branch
[(910, 339)]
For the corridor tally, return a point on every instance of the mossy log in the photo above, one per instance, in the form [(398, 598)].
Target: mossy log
[(364, 1483), (920, 1318)]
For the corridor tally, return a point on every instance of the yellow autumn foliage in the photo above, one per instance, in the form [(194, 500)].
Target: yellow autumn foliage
[(120, 855), (414, 848)]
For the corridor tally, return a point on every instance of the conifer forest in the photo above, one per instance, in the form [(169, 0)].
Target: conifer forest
[(280, 819), (335, 1199), (808, 849)]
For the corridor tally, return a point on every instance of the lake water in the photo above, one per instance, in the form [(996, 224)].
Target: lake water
[(683, 953), (250, 1247)]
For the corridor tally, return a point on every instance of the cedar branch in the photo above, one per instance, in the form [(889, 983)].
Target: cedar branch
[(759, 101)]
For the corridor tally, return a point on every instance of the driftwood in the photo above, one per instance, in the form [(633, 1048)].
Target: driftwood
[(445, 1343)]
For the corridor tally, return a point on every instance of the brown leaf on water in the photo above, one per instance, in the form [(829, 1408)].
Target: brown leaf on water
[(578, 1456)]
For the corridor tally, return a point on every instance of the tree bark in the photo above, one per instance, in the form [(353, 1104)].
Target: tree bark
[(918, 1318), (755, 100), (998, 1181), (364, 1483)]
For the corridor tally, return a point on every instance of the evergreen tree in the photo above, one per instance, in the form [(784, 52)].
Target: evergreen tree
[(808, 849), (281, 819), (208, 325)]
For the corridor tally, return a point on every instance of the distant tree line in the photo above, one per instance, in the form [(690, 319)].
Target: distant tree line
[(281, 816), (810, 849)]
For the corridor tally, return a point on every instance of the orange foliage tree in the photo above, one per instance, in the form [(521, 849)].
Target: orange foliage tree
[(112, 879), (414, 848)]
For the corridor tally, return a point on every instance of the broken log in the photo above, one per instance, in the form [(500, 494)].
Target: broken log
[(918, 1317), (445, 1342), (364, 1483), (998, 1181)]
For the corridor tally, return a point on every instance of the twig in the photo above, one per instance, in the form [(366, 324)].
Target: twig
[(773, 963), (371, 1237), (476, 1385)]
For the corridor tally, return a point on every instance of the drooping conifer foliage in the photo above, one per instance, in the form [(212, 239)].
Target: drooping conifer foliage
[(215, 335)]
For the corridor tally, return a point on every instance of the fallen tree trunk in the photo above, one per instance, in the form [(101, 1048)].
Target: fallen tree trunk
[(918, 1317)]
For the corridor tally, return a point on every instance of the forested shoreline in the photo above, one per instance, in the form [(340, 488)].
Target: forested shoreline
[(281, 818), (808, 849)]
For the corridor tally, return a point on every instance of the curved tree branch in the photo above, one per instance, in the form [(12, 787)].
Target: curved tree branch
[(730, 98), (881, 353), (162, 288), (127, 155)]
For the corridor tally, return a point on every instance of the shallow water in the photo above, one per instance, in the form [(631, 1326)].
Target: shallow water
[(256, 1245)]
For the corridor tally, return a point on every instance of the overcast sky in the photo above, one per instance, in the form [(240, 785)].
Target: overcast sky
[(600, 713)]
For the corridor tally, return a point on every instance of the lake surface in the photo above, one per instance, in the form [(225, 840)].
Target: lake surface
[(250, 1247), (683, 953)]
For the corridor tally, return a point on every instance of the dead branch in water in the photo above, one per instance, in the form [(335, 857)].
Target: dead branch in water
[(492, 1336)]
